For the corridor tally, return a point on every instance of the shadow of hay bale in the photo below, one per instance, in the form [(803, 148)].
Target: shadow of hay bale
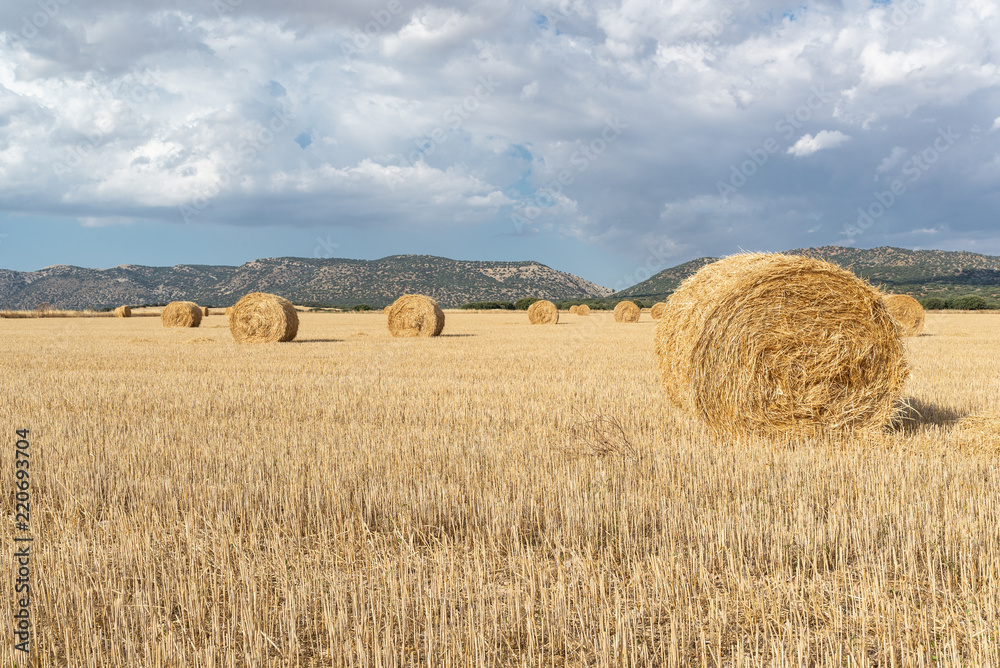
[(917, 414)]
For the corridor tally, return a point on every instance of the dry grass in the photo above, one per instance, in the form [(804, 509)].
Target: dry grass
[(773, 344), (502, 495)]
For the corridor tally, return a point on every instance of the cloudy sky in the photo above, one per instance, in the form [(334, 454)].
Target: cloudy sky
[(609, 138)]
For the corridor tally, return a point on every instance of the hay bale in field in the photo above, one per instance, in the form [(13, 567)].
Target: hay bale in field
[(260, 317), (415, 315), (626, 312), (771, 344), (229, 310), (574, 308), (543, 312), (908, 313), (386, 309), (205, 312), (657, 311), (181, 314), (123, 312), (583, 309)]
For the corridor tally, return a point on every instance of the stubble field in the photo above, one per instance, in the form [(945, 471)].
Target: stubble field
[(503, 495)]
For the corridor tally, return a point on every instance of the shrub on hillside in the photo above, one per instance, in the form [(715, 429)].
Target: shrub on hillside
[(524, 303), (489, 306), (968, 303)]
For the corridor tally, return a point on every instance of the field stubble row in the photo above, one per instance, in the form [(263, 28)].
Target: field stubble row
[(500, 495)]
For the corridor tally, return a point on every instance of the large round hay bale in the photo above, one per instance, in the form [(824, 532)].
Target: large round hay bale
[(263, 318), (772, 344), (415, 315), (543, 312), (583, 309), (181, 314), (123, 312), (908, 312), (574, 308), (657, 311), (626, 312)]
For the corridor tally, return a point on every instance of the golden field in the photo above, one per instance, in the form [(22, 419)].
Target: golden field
[(503, 495)]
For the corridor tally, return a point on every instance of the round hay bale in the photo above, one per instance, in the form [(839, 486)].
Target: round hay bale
[(123, 312), (657, 311), (908, 312), (543, 312), (583, 309), (386, 309), (263, 318), (574, 308), (205, 312), (181, 314), (769, 344), (415, 315), (229, 311), (626, 312)]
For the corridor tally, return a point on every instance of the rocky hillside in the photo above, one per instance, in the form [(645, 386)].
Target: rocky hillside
[(333, 281), (918, 273)]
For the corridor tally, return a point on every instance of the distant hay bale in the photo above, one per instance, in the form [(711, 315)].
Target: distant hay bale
[(123, 312), (205, 312), (908, 313), (386, 309), (229, 310), (543, 312), (657, 311), (415, 315), (626, 312), (769, 344), (263, 318), (181, 314), (574, 308), (583, 309)]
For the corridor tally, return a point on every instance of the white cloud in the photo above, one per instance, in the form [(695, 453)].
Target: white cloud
[(891, 160), (807, 144)]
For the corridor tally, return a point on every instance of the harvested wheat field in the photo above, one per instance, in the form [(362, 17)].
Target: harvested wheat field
[(499, 495)]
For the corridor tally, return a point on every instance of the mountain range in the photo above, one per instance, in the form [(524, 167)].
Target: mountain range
[(923, 273), (451, 282), (318, 281)]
